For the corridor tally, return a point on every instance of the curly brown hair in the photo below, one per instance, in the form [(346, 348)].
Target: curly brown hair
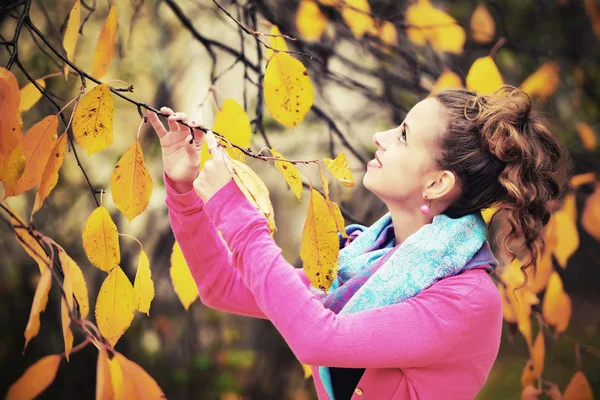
[(516, 164)]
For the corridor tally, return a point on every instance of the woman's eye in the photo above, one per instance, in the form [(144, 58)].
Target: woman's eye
[(403, 135)]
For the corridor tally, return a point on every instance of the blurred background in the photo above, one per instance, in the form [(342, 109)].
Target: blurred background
[(173, 51)]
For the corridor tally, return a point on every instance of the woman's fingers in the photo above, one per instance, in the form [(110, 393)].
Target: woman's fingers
[(218, 152), (156, 124)]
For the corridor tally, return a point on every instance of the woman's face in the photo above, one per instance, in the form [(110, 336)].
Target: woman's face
[(404, 163)]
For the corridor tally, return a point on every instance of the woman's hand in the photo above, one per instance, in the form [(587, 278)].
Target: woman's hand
[(181, 159), (216, 172)]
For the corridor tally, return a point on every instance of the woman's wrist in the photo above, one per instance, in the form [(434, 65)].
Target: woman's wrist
[(179, 186)]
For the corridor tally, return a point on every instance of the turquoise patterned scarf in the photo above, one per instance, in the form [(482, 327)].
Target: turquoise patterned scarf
[(374, 272)]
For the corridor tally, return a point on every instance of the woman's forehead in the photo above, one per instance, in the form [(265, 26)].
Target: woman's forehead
[(425, 120)]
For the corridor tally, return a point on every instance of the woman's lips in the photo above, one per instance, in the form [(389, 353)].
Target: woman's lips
[(375, 163)]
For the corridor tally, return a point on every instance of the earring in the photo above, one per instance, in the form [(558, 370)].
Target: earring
[(425, 208)]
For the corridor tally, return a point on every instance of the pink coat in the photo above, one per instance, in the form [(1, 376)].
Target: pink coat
[(440, 344)]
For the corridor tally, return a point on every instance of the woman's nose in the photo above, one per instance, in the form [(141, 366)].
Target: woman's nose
[(379, 140)]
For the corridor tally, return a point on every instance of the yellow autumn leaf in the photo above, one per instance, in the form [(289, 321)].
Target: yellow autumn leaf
[(121, 389), (277, 42), (307, 370), (537, 281), (340, 169), (330, 3), (35, 379), (181, 278), (446, 80), (104, 387), (517, 303), (556, 306), (339, 219), (388, 33), (290, 173), (587, 135), (71, 34), (50, 173), (578, 388), (508, 312), (356, 14), (320, 245), (93, 120), (543, 82), (429, 24), (310, 21), (538, 352), (333, 208), (143, 286), (31, 95), (37, 143), (288, 89), (66, 305), (255, 191), (13, 167), (131, 183), (566, 226), (590, 217), (488, 213), (484, 76), (101, 240), (115, 305), (77, 283), (528, 376), (105, 46), (134, 382), (483, 27), (40, 300), (233, 123)]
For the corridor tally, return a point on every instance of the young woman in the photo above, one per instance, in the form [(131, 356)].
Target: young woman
[(413, 312)]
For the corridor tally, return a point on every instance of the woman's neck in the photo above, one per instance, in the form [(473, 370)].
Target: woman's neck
[(407, 222)]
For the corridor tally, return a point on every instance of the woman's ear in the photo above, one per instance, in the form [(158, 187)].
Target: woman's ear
[(441, 185)]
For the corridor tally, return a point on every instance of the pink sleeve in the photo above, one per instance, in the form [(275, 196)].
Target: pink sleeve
[(412, 333), (220, 286)]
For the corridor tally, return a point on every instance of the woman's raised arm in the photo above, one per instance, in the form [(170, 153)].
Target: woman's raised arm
[(220, 285)]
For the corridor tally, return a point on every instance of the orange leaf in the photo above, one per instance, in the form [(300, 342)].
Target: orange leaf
[(50, 174), (582, 179), (578, 388), (538, 351), (528, 377), (11, 139), (587, 135), (566, 227), (136, 383), (37, 378), (38, 143), (556, 306), (104, 387), (40, 299), (590, 217)]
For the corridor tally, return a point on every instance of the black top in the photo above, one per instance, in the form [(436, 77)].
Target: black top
[(344, 381)]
